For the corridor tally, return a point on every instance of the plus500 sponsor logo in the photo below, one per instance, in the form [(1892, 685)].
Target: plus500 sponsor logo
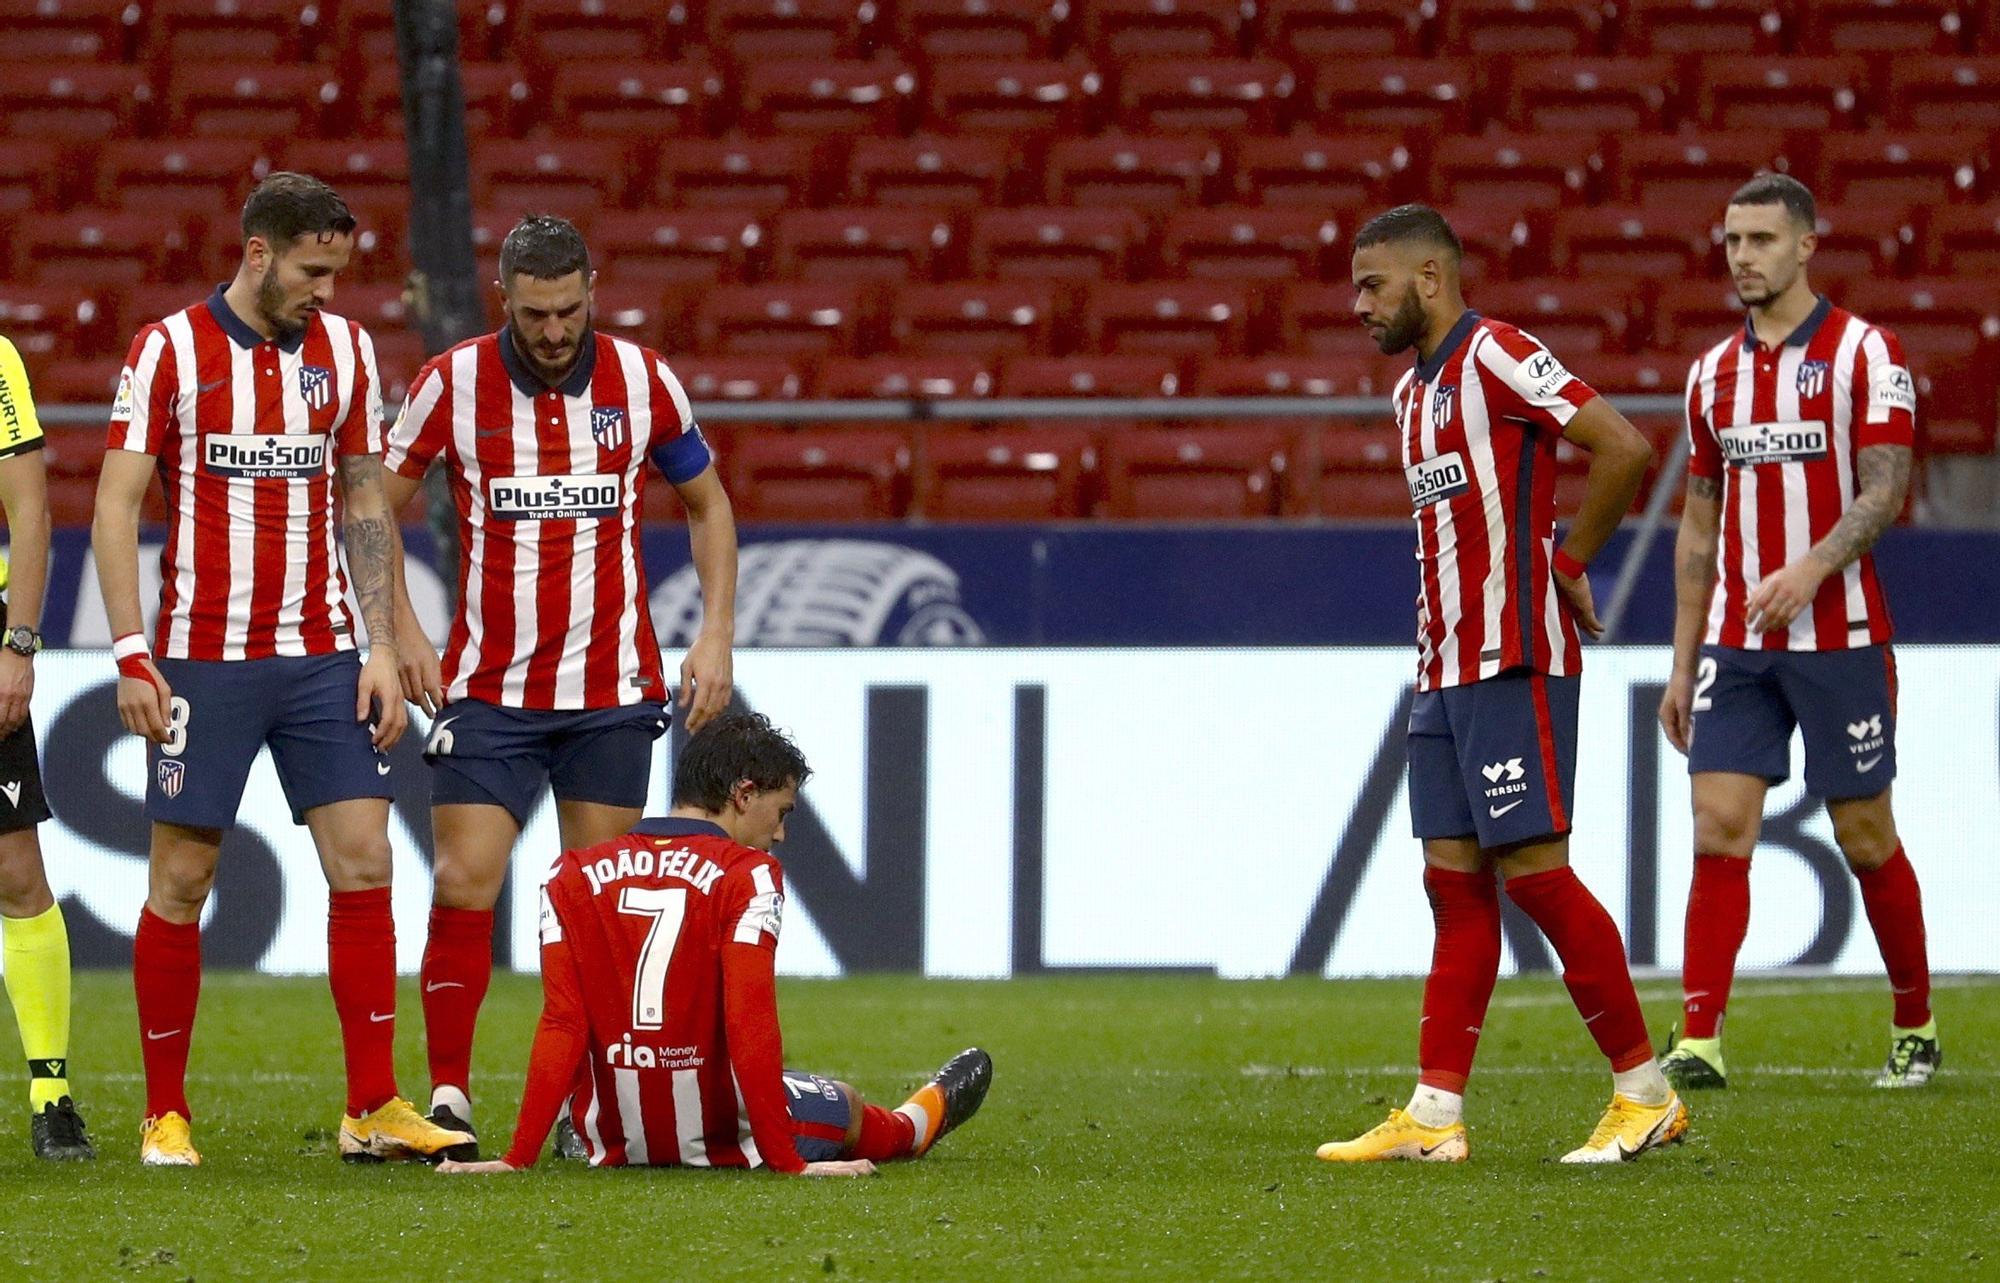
[(1755, 443), (554, 498), (263, 455), (1436, 479)]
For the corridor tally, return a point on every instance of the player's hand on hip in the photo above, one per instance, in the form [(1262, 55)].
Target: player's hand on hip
[(486, 1167), (1576, 592), (144, 705), (1779, 598), (844, 1167), (17, 687), (1677, 710), (378, 698), (422, 675), (707, 680)]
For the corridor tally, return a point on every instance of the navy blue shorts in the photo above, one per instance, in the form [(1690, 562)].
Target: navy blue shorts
[(223, 711), (1495, 759), (821, 1114), (485, 754), (1746, 703)]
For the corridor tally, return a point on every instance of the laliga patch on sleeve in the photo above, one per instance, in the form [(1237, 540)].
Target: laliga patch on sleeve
[(1542, 376), (1890, 387), (121, 405), (765, 912), (551, 924)]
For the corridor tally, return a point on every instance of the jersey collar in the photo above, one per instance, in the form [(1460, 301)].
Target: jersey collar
[(239, 330), (1428, 370), (672, 827), (531, 384), (1798, 337)]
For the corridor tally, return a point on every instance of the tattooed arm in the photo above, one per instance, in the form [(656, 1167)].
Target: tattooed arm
[(1694, 584), (374, 550), (1883, 474)]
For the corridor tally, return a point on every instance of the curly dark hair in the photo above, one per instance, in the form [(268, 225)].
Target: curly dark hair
[(287, 206), (735, 746)]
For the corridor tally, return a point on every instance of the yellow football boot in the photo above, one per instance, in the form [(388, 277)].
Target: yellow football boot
[(1402, 1137), (166, 1141), (393, 1133), (1628, 1129)]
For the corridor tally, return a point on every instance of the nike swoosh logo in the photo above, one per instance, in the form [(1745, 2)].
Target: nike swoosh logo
[(381, 768), (1497, 811), (1869, 765), (378, 1017), (153, 1037), (443, 984), (206, 388), (1428, 1150)]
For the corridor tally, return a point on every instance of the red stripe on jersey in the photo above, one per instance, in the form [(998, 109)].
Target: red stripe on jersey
[(1825, 502), (493, 447), (610, 593), (214, 407), (1770, 516), (269, 555), (556, 543)]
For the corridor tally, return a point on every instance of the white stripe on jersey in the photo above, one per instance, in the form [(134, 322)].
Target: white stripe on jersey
[(526, 535), (593, 1137), (1859, 340), (180, 332), (465, 441), (242, 503), (1486, 468), (746, 1140), (1798, 515), (570, 666), (632, 1114), (1746, 490), (687, 1116)]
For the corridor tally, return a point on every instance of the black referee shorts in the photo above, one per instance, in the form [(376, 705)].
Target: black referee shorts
[(22, 804)]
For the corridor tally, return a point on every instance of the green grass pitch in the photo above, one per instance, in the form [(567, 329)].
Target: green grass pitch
[(1158, 1127)]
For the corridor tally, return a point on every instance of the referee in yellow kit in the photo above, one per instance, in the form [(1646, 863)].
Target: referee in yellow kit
[(34, 945)]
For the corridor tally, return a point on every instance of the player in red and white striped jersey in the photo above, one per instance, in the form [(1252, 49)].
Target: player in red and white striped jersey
[(246, 405), (660, 1017), (1492, 732), (1800, 428), (551, 676)]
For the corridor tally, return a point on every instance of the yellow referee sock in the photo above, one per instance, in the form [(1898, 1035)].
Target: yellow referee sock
[(36, 956)]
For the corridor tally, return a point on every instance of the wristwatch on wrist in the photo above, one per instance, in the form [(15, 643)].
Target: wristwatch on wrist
[(23, 640)]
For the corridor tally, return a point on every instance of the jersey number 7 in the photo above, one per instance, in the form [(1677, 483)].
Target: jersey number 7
[(666, 907)]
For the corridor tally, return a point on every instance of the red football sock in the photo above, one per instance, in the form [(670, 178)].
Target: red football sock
[(1593, 958), (1465, 960), (1718, 917), (166, 978), (458, 965), (885, 1134), (361, 967), (1895, 907)]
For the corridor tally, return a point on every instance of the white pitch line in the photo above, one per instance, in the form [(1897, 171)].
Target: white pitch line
[(1542, 1071), (1779, 989)]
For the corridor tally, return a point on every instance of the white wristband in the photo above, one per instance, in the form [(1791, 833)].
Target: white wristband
[(129, 645)]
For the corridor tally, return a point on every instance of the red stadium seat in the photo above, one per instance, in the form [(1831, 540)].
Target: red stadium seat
[(1568, 316), (229, 99), (564, 176), (1312, 33), (765, 174), (1190, 473), (60, 31), (1631, 241), (751, 31), (1642, 373), (975, 317), (1963, 241), (1127, 376), (1394, 94), (106, 248), (1769, 94), (141, 305), (1117, 30), (59, 101), (861, 243), (1056, 242), (1319, 320), (1696, 171), (1359, 474), (1688, 316), (1605, 95), (904, 377), (819, 474), (1004, 473), (218, 171), (51, 322), (1701, 26), (1905, 28), (979, 28), (497, 98), (376, 308), (678, 246), (1178, 317), (1923, 168), (1319, 171), (1955, 93), (739, 378), (800, 317), (932, 169), (552, 33), (1246, 244), (1499, 242), (1957, 408), (1114, 170), (1515, 171), (1234, 95), (399, 354), (1013, 96), (855, 98), (1863, 240), (1939, 320), (364, 33), (1483, 28), (1359, 373), (245, 32), (32, 175), (368, 172), (649, 99)]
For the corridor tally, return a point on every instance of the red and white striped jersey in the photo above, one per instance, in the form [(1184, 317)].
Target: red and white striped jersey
[(1781, 429), (658, 952), (1479, 422), (247, 432), (548, 483)]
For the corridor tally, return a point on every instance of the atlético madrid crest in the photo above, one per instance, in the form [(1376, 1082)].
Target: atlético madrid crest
[(1812, 378), (172, 775), (316, 386), (608, 426)]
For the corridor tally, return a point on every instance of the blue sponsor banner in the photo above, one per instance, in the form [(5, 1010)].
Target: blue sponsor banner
[(1115, 585)]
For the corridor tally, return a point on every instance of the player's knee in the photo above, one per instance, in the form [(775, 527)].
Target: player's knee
[(1868, 841), (461, 883), (179, 891), (1723, 831), (855, 1104), (24, 886), (358, 863)]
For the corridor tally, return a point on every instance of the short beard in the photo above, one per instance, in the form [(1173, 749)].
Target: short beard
[(1405, 327), (271, 304), (534, 363), (1773, 291)]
